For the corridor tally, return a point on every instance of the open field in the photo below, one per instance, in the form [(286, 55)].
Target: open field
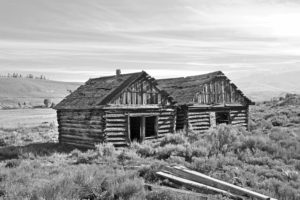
[(265, 159), (32, 92), (26, 117)]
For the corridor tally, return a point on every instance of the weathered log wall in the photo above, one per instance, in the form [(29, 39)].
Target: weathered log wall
[(239, 117), (116, 128), (198, 120), (81, 128)]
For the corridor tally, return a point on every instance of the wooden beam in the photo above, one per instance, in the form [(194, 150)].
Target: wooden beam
[(142, 128), (195, 186), (209, 181), (152, 187)]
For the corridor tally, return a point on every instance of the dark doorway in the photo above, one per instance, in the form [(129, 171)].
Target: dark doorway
[(135, 128), (150, 123), (222, 118)]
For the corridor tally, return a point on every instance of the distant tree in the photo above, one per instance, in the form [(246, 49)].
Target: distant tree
[(29, 76), (70, 91), (47, 102)]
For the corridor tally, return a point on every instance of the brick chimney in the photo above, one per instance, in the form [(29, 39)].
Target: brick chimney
[(118, 73)]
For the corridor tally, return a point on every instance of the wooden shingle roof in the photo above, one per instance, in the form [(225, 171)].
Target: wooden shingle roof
[(183, 89), (98, 91)]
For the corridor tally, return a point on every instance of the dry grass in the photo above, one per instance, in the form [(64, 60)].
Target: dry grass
[(34, 166)]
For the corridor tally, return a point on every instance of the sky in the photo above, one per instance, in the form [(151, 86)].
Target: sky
[(73, 40)]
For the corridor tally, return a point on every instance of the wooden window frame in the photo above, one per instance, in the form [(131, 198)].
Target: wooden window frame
[(142, 126)]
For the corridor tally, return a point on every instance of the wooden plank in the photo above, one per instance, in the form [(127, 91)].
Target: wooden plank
[(190, 194), (195, 185), (143, 127), (128, 129), (209, 181)]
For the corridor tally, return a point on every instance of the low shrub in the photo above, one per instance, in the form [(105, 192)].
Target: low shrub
[(105, 149), (13, 163), (175, 139)]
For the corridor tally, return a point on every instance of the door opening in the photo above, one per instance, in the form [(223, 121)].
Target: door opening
[(135, 128), (150, 123), (222, 118)]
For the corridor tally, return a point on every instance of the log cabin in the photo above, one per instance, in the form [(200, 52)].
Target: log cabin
[(118, 109), (206, 100), (126, 107)]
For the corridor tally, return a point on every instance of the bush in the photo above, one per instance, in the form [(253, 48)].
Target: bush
[(175, 139), (105, 149), (145, 150), (161, 195), (13, 163), (222, 139)]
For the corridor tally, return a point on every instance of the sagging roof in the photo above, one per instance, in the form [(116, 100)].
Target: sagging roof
[(98, 91), (183, 89)]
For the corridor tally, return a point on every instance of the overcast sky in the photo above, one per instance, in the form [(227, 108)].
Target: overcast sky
[(73, 40)]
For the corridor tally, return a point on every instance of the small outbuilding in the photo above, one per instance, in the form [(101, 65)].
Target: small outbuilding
[(204, 101), (118, 109)]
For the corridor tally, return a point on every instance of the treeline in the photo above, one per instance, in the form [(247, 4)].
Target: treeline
[(29, 76)]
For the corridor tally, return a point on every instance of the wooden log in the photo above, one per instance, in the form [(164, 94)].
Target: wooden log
[(91, 135), (209, 181), (165, 126), (83, 122), (81, 142), (115, 134), (151, 187), (115, 120), (196, 123), (81, 130), (165, 118), (85, 126), (115, 129), (164, 122), (238, 121), (79, 138), (241, 124), (118, 139), (89, 146), (110, 125), (238, 118), (162, 131), (238, 115), (198, 116), (239, 111), (195, 185), (114, 116)]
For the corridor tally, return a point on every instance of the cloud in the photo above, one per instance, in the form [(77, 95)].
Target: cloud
[(90, 37)]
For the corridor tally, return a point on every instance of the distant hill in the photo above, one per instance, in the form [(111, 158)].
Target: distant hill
[(32, 92), (264, 86)]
